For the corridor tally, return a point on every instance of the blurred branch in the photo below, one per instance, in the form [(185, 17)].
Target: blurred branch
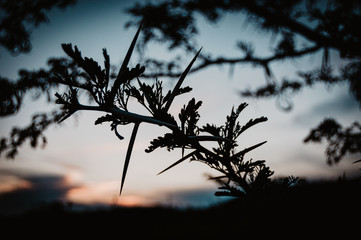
[(257, 61), (314, 35), (20, 17), (34, 132), (340, 140), (307, 22), (299, 28)]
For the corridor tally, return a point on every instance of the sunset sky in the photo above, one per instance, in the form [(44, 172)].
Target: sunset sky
[(82, 163)]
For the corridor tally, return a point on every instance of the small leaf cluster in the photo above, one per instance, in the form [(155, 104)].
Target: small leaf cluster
[(239, 176), (182, 136)]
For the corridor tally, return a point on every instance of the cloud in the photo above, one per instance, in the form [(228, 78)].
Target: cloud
[(20, 192), (9, 183), (343, 107), (22, 189), (106, 193), (95, 193), (24, 193)]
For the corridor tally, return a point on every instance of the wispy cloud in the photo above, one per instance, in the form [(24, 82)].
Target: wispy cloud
[(343, 107), (10, 183)]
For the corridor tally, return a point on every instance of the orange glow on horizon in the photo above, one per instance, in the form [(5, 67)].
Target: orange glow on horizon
[(9, 184), (131, 201), (104, 193)]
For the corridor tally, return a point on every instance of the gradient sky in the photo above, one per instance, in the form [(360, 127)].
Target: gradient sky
[(83, 163)]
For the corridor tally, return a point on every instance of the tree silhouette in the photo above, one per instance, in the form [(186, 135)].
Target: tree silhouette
[(175, 25), (17, 21), (305, 27), (111, 92)]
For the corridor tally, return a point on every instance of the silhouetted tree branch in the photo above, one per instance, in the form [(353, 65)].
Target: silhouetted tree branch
[(207, 62), (17, 21), (110, 91), (110, 94), (292, 20), (305, 27)]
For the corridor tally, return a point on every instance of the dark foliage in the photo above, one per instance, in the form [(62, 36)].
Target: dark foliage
[(304, 27), (20, 17), (110, 94), (37, 82), (17, 21), (317, 24), (341, 140), (12, 93), (34, 133), (239, 176)]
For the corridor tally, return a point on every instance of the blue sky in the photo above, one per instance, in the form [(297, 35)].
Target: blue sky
[(85, 161)]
